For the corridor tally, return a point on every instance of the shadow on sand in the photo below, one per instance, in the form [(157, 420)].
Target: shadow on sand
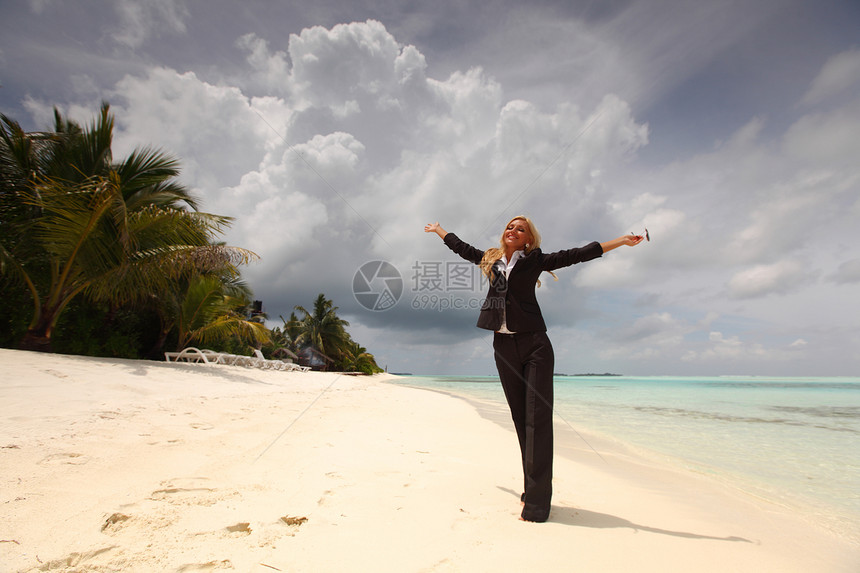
[(577, 517)]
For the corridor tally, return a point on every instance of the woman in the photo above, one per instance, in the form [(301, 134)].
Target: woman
[(523, 353)]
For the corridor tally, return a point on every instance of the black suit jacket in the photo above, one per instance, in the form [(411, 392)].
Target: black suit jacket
[(516, 294)]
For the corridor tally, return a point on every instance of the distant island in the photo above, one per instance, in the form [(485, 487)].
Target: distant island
[(589, 374)]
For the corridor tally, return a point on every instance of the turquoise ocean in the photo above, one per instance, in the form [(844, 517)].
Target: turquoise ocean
[(792, 441)]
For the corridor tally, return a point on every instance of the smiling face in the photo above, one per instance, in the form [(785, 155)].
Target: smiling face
[(517, 235)]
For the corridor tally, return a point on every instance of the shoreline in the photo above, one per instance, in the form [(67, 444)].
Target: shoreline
[(138, 466), (585, 444)]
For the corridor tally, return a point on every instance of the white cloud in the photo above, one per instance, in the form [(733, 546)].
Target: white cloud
[(551, 166), (826, 138), (638, 50), (349, 61), (781, 213), (760, 212), (660, 328), (213, 129), (85, 85), (140, 19), (464, 111), (39, 6), (847, 273), (717, 337), (623, 269), (761, 280), (709, 319), (731, 351), (269, 71), (276, 221), (338, 147), (427, 145), (43, 112), (336, 155), (652, 338), (839, 74)]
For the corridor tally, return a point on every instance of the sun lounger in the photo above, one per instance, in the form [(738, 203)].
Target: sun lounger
[(260, 361), (191, 355)]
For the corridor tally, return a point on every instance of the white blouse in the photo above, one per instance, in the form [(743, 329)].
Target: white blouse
[(508, 266)]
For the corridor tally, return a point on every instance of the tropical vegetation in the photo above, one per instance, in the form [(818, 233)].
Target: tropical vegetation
[(114, 258), (322, 330)]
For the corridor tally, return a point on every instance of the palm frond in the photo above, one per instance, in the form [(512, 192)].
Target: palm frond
[(148, 179)]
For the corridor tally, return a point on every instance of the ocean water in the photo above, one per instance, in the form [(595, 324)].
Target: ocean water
[(793, 441)]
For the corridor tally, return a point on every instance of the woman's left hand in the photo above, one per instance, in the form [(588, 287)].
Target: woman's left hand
[(628, 240), (633, 240)]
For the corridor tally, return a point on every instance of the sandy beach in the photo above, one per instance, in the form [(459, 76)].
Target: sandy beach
[(120, 465)]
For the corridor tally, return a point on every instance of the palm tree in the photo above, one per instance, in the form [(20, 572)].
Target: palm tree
[(73, 222), (286, 337), (21, 161), (358, 359), (93, 245), (322, 329), (20, 155), (212, 311), (292, 329), (78, 153)]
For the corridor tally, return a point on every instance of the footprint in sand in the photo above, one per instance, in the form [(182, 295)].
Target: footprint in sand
[(297, 521), (210, 566), (239, 530), (114, 523), (78, 561), (65, 458), (266, 536), (324, 499), (165, 443), (190, 491), (55, 373), (293, 524), (186, 496)]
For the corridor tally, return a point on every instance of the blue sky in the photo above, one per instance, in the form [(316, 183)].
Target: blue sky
[(333, 131)]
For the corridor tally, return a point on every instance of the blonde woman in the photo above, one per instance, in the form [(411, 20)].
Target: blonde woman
[(523, 352)]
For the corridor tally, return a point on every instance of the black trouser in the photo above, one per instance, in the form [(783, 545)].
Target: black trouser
[(525, 362)]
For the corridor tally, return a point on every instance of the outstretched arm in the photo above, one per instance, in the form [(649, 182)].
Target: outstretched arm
[(629, 240), (435, 228), (454, 243)]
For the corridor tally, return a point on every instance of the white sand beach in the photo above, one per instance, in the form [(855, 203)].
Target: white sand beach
[(121, 465)]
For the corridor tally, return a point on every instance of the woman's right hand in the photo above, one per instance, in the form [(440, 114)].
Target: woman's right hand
[(435, 228)]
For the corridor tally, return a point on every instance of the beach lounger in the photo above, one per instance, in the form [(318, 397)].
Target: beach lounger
[(260, 361), (231, 359), (191, 355), (194, 355), (293, 367)]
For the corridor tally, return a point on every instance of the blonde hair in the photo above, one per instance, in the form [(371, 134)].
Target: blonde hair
[(496, 253)]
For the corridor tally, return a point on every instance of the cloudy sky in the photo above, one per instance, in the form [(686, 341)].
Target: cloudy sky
[(333, 131)]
